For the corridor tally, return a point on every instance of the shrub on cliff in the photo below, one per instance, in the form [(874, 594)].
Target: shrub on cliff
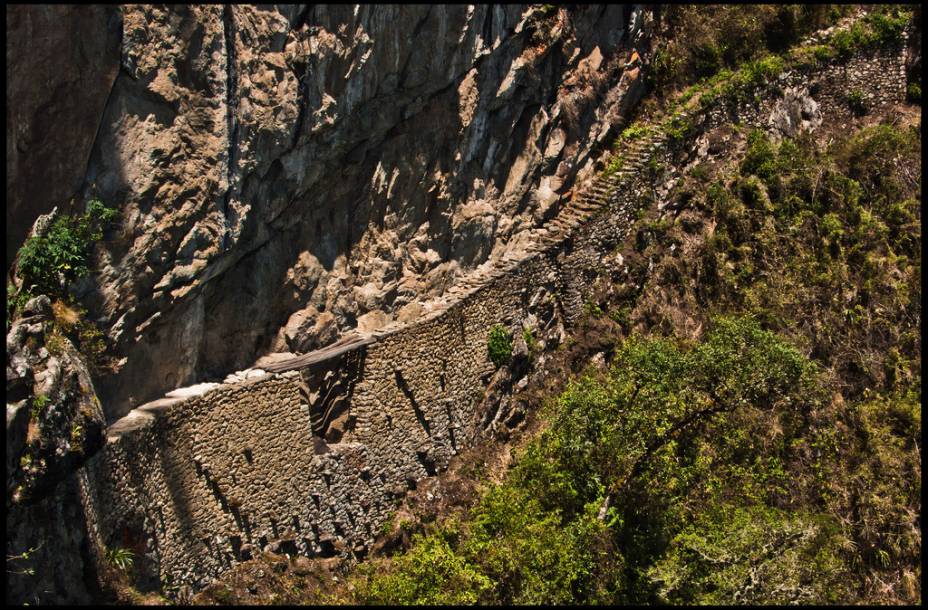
[(431, 573), (48, 261), (499, 345)]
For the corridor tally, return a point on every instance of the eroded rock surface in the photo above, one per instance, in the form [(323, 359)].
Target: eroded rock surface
[(53, 418), (53, 424), (287, 174)]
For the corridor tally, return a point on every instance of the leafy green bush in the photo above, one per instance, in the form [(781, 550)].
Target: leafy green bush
[(47, 263), (751, 555), (430, 573), (887, 24), (499, 345)]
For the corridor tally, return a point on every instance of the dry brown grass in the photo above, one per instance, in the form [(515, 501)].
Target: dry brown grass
[(65, 317)]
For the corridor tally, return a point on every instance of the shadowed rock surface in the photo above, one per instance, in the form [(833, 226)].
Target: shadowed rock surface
[(61, 62)]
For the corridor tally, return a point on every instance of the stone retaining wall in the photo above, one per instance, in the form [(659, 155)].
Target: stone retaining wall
[(200, 483), (194, 485)]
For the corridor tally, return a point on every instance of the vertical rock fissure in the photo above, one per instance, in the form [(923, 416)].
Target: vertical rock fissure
[(120, 70), (228, 19), (420, 416), (302, 101)]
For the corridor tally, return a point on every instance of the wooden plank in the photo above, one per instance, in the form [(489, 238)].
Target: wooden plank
[(319, 355)]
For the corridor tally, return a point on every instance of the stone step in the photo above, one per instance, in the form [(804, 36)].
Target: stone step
[(586, 201), (587, 208), (589, 204)]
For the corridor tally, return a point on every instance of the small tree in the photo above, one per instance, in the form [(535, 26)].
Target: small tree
[(499, 345)]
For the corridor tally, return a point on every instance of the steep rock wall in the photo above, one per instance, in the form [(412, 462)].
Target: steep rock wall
[(283, 172), (61, 62)]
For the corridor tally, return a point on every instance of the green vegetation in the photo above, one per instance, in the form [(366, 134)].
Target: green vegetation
[(433, 574), (46, 263), (719, 45), (713, 464), (700, 41), (70, 322), (827, 238), (592, 309), (120, 558), (77, 433), (530, 342), (856, 102), (704, 41), (881, 27), (39, 403), (499, 345)]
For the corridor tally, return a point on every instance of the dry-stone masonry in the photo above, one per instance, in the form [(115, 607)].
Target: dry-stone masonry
[(309, 454)]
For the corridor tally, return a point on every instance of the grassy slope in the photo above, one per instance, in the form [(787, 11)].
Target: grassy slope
[(771, 456)]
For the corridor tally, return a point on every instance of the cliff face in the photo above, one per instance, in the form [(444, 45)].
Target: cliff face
[(285, 175), (54, 422), (61, 62)]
